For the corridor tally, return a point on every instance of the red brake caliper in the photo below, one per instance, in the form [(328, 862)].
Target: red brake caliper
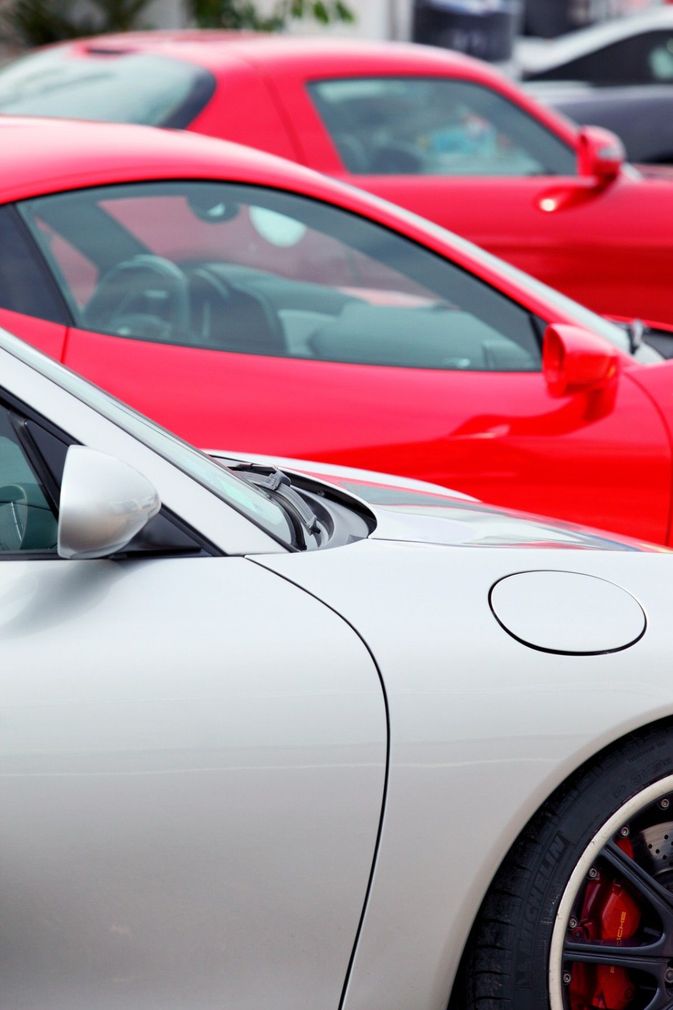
[(608, 913)]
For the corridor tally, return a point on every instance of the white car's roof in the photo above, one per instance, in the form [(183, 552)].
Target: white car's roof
[(533, 56)]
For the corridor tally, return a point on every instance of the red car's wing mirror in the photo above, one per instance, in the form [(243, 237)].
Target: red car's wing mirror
[(575, 360), (600, 154)]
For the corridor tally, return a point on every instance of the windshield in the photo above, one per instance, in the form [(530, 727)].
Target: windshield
[(215, 477), (105, 85)]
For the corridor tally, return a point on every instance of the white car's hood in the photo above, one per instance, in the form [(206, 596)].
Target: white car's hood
[(415, 511)]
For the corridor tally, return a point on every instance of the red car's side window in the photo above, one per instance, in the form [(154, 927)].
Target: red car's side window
[(25, 286), (251, 237), (241, 269), (79, 274), (434, 126)]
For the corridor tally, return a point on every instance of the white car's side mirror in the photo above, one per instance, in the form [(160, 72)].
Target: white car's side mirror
[(104, 504)]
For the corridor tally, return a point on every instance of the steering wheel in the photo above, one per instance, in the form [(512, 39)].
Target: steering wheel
[(146, 296)]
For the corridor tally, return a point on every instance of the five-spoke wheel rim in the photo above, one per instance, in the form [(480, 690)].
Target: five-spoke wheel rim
[(622, 878)]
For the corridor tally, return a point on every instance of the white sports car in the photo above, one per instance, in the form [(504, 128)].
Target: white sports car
[(273, 742)]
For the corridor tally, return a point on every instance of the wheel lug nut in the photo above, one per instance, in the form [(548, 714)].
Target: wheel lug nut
[(669, 975), (664, 803), (572, 922), (625, 831), (593, 873), (567, 978)]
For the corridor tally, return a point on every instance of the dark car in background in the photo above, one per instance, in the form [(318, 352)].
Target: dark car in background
[(640, 114), (549, 18), (633, 50), (618, 75)]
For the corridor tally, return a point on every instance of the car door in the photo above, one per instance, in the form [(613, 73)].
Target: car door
[(192, 752), (483, 160), (257, 320)]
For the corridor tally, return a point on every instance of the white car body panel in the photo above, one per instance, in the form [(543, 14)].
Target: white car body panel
[(182, 796), (482, 728)]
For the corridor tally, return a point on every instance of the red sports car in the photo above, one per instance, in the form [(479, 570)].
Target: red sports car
[(251, 304), (438, 133)]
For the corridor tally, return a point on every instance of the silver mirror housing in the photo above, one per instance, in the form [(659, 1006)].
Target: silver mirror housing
[(104, 503)]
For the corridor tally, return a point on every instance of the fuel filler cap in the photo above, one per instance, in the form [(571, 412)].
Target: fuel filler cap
[(567, 612)]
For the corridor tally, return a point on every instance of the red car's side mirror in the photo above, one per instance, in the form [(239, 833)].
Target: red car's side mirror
[(600, 154), (575, 360)]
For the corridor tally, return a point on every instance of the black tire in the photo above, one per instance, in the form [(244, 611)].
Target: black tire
[(508, 958)]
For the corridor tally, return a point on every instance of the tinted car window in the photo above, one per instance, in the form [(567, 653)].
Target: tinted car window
[(252, 271), (435, 126), (25, 284), (641, 59), (27, 522), (660, 57), (116, 87)]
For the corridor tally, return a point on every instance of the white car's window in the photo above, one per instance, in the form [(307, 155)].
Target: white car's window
[(435, 126), (246, 499), (245, 270), (28, 522)]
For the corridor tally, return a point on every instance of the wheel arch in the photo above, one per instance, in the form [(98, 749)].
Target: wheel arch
[(621, 737)]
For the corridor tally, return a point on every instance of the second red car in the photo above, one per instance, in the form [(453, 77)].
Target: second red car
[(250, 304)]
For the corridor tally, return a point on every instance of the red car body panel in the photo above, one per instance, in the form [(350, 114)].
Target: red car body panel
[(602, 458), (532, 454), (607, 246)]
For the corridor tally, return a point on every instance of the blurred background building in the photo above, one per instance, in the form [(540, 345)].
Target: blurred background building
[(395, 18), (484, 28)]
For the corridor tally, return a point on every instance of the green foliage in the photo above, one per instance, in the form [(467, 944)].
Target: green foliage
[(244, 13), (120, 15), (38, 22)]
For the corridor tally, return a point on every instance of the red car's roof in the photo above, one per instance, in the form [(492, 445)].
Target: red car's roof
[(42, 156), (207, 48)]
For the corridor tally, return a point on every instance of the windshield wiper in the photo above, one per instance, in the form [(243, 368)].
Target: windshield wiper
[(279, 486), (635, 331)]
